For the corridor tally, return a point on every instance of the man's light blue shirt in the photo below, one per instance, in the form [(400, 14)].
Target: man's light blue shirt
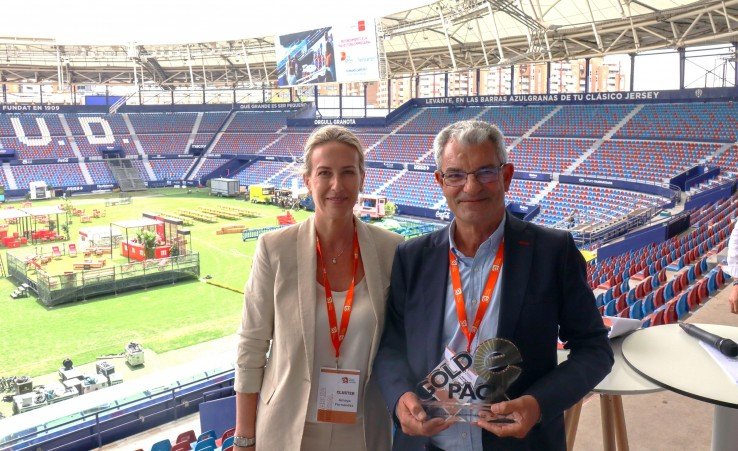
[(474, 272)]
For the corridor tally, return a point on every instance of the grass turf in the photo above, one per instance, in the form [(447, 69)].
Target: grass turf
[(35, 339)]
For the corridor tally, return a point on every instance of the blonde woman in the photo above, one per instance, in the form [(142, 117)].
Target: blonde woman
[(316, 295)]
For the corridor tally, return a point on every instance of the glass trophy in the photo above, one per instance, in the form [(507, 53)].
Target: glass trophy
[(465, 384)]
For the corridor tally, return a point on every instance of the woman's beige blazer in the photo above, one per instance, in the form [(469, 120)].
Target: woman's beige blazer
[(279, 308)]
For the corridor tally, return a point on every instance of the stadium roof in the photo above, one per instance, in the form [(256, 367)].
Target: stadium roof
[(446, 35)]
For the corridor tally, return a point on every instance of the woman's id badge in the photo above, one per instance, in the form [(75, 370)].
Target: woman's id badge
[(338, 395)]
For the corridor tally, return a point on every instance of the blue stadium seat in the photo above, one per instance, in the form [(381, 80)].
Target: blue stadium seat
[(163, 445), (636, 310), (647, 305), (204, 444), (206, 435), (610, 308), (682, 306)]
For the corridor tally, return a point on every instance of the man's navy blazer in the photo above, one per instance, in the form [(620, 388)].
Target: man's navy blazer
[(544, 296)]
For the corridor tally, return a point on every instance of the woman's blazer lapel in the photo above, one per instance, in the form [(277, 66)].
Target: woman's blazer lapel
[(372, 274), (306, 270)]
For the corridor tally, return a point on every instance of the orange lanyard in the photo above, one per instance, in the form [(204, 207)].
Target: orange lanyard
[(489, 288), (337, 335)]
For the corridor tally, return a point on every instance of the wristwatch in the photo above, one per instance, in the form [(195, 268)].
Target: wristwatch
[(243, 442)]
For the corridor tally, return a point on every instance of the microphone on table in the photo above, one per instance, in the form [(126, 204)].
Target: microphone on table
[(725, 345)]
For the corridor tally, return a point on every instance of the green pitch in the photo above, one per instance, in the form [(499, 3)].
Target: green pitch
[(35, 339)]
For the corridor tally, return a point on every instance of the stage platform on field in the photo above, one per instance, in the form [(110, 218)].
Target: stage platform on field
[(95, 278)]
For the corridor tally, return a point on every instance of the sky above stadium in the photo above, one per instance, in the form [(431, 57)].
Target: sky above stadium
[(181, 21)]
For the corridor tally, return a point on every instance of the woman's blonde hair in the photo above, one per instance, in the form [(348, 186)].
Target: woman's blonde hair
[(327, 134)]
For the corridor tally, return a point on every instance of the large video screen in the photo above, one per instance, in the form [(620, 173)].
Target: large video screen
[(336, 54)]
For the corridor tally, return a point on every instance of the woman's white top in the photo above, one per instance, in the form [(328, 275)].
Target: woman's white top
[(355, 347)]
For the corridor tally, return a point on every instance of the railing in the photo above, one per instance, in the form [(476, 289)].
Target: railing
[(90, 281), (120, 102), (585, 236), (101, 421)]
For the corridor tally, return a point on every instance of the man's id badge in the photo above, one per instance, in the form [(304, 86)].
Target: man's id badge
[(338, 395)]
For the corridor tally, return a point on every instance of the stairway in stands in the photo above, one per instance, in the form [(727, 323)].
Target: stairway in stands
[(128, 177)]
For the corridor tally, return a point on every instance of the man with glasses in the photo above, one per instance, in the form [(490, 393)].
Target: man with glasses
[(488, 275)]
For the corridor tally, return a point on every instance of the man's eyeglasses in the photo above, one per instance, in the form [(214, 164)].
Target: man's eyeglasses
[(484, 175)]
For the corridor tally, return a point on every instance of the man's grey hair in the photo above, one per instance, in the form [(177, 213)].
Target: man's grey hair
[(470, 133), (327, 134)]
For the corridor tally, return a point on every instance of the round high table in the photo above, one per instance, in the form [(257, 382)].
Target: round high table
[(622, 380), (670, 358)]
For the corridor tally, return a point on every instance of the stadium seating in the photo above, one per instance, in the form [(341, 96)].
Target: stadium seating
[(258, 122), (651, 161), (160, 144), (97, 124), (515, 120), (554, 147), (523, 191), (728, 160), (203, 138), (206, 435), (39, 148), (244, 143), (147, 123), (717, 121), (208, 166), (30, 125), (583, 121), (400, 148), (689, 288), (559, 141), (259, 172), (285, 178), (722, 179), (170, 169), (100, 172), (139, 165), (591, 205), (432, 120), (291, 144), (227, 434), (367, 140), (55, 175), (379, 130), (92, 149), (412, 189), (376, 177), (207, 444), (535, 154), (181, 446), (163, 445), (158, 133), (710, 230), (212, 121)]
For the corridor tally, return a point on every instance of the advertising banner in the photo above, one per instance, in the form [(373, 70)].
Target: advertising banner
[(358, 121), (652, 96), (341, 53)]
